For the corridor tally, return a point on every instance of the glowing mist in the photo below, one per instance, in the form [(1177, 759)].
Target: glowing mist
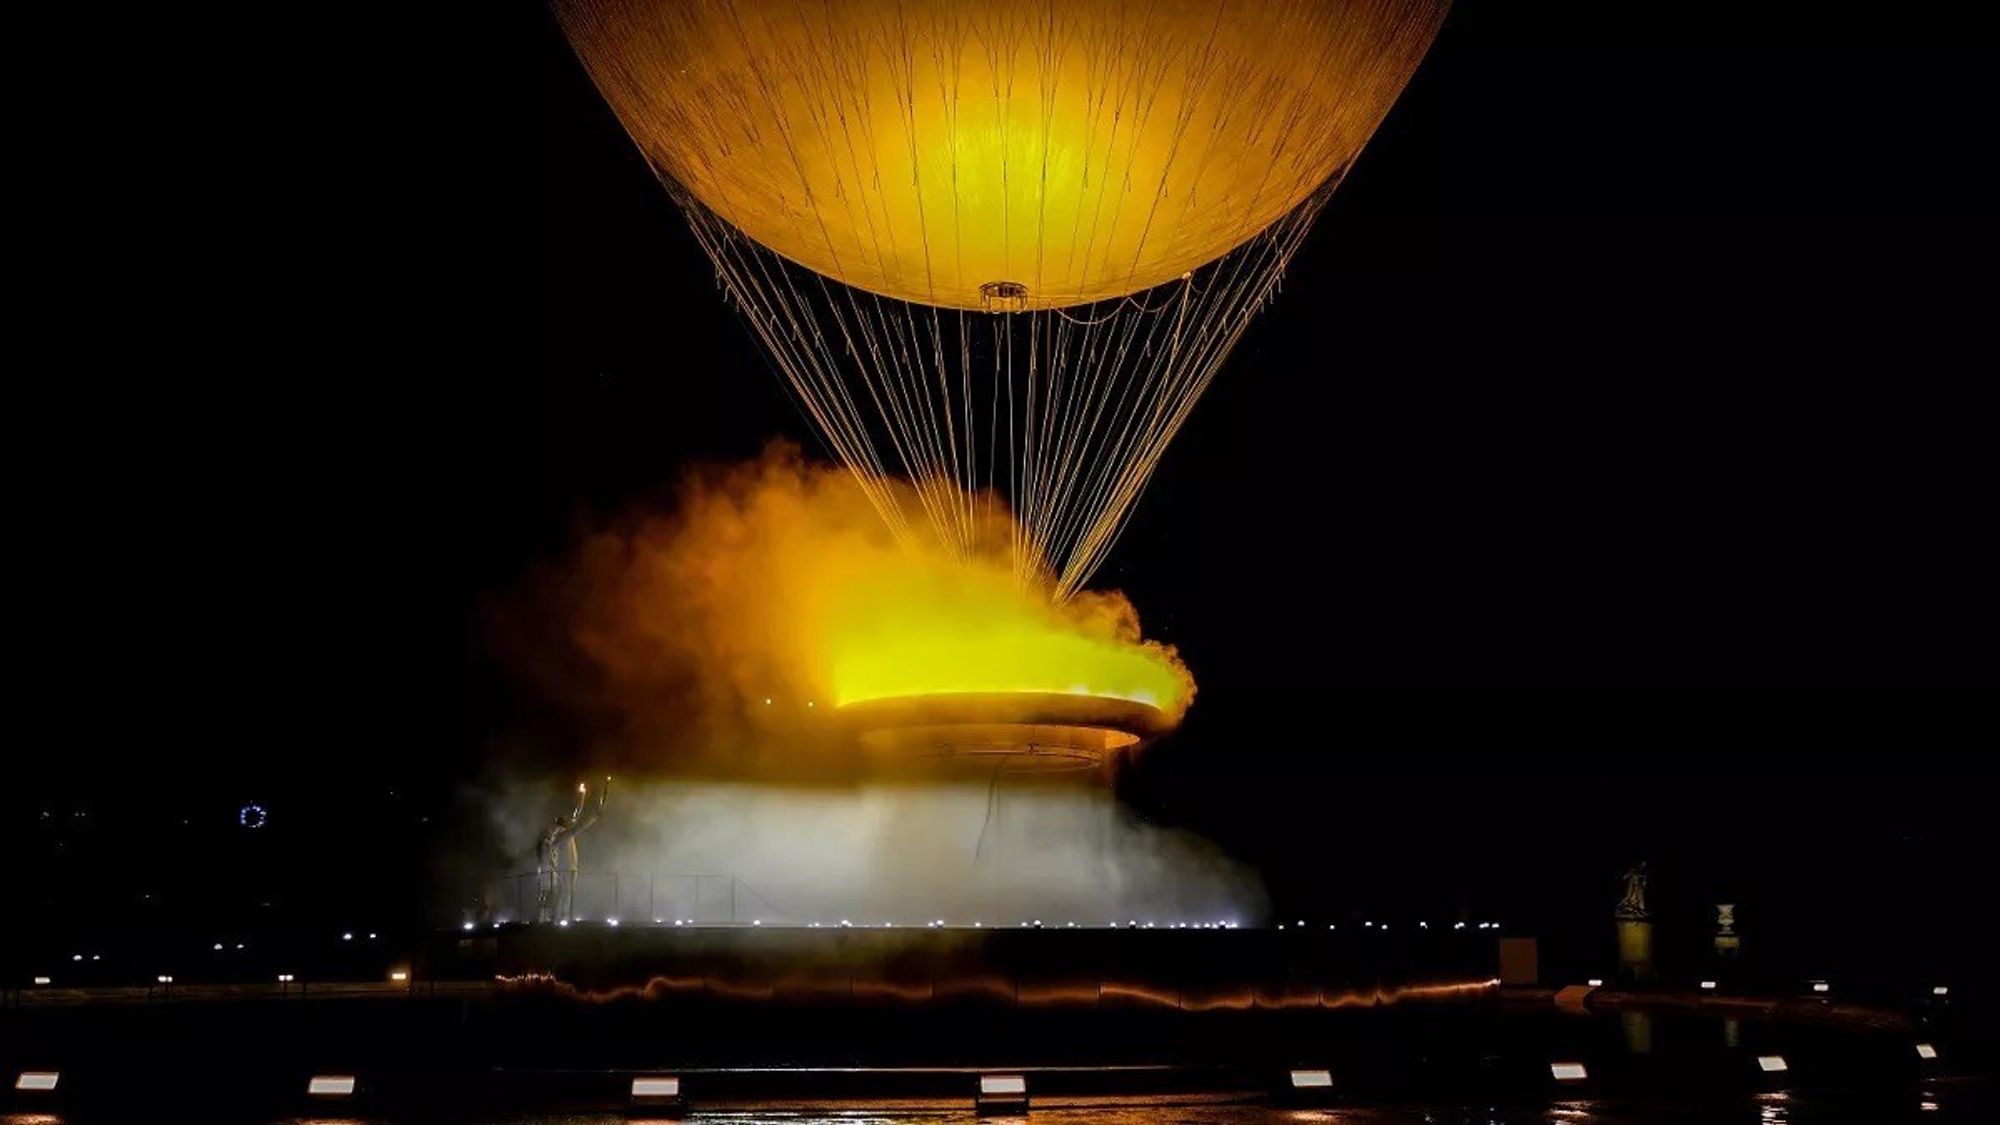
[(902, 854)]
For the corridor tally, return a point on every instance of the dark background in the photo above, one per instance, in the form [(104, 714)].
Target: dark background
[(1612, 480)]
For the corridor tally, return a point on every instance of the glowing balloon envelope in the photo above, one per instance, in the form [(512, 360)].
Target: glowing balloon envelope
[(1048, 154), (1124, 179)]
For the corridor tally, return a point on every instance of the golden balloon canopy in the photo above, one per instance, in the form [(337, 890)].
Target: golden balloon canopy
[(997, 155)]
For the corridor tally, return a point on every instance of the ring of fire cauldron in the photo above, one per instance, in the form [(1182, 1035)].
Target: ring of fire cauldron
[(1016, 731)]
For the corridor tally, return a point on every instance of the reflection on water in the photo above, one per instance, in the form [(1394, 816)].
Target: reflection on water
[(1763, 1109), (1638, 1027), (1772, 1108)]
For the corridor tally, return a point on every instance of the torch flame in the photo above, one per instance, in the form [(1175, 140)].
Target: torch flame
[(910, 623), (778, 579)]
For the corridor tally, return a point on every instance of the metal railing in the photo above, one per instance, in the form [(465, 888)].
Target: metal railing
[(706, 898)]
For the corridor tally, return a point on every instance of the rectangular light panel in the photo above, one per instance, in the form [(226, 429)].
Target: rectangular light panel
[(656, 1087)]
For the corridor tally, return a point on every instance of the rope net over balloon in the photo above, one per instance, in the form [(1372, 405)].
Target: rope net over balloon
[(1000, 249), (1065, 411)]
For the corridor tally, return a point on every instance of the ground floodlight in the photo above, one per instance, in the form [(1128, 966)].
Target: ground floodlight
[(330, 1086), (658, 1092), (1311, 1079), (1568, 1071), (1001, 1093), (37, 1080)]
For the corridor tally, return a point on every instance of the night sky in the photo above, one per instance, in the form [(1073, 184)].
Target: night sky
[(1612, 479)]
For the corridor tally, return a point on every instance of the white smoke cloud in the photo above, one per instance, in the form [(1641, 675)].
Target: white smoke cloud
[(903, 853)]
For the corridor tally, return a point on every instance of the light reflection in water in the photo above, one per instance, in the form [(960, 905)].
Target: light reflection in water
[(1771, 1108), (1127, 1113), (1638, 1028)]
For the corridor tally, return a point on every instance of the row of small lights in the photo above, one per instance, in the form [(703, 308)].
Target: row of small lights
[(1420, 925), (662, 1091), (934, 924), (283, 978), (218, 947), (319, 1085), (995, 1090), (941, 924), (398, 975), (1819, 986), (1769, 1064)]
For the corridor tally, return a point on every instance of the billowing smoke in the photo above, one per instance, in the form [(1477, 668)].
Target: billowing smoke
[(733, 627), (700, 656), (888, 852)]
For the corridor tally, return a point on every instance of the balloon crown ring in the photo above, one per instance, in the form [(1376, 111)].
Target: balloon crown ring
[(1004, 296)]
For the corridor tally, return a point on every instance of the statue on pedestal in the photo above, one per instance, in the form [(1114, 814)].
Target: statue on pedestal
[(1635, 929), (1727, 944), (556, 859), (1632, 908)]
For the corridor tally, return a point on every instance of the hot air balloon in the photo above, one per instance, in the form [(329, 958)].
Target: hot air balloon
[(1001, 248)]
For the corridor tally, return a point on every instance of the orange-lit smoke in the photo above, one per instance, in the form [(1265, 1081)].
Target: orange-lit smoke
[(699, 654), (776, 593)]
